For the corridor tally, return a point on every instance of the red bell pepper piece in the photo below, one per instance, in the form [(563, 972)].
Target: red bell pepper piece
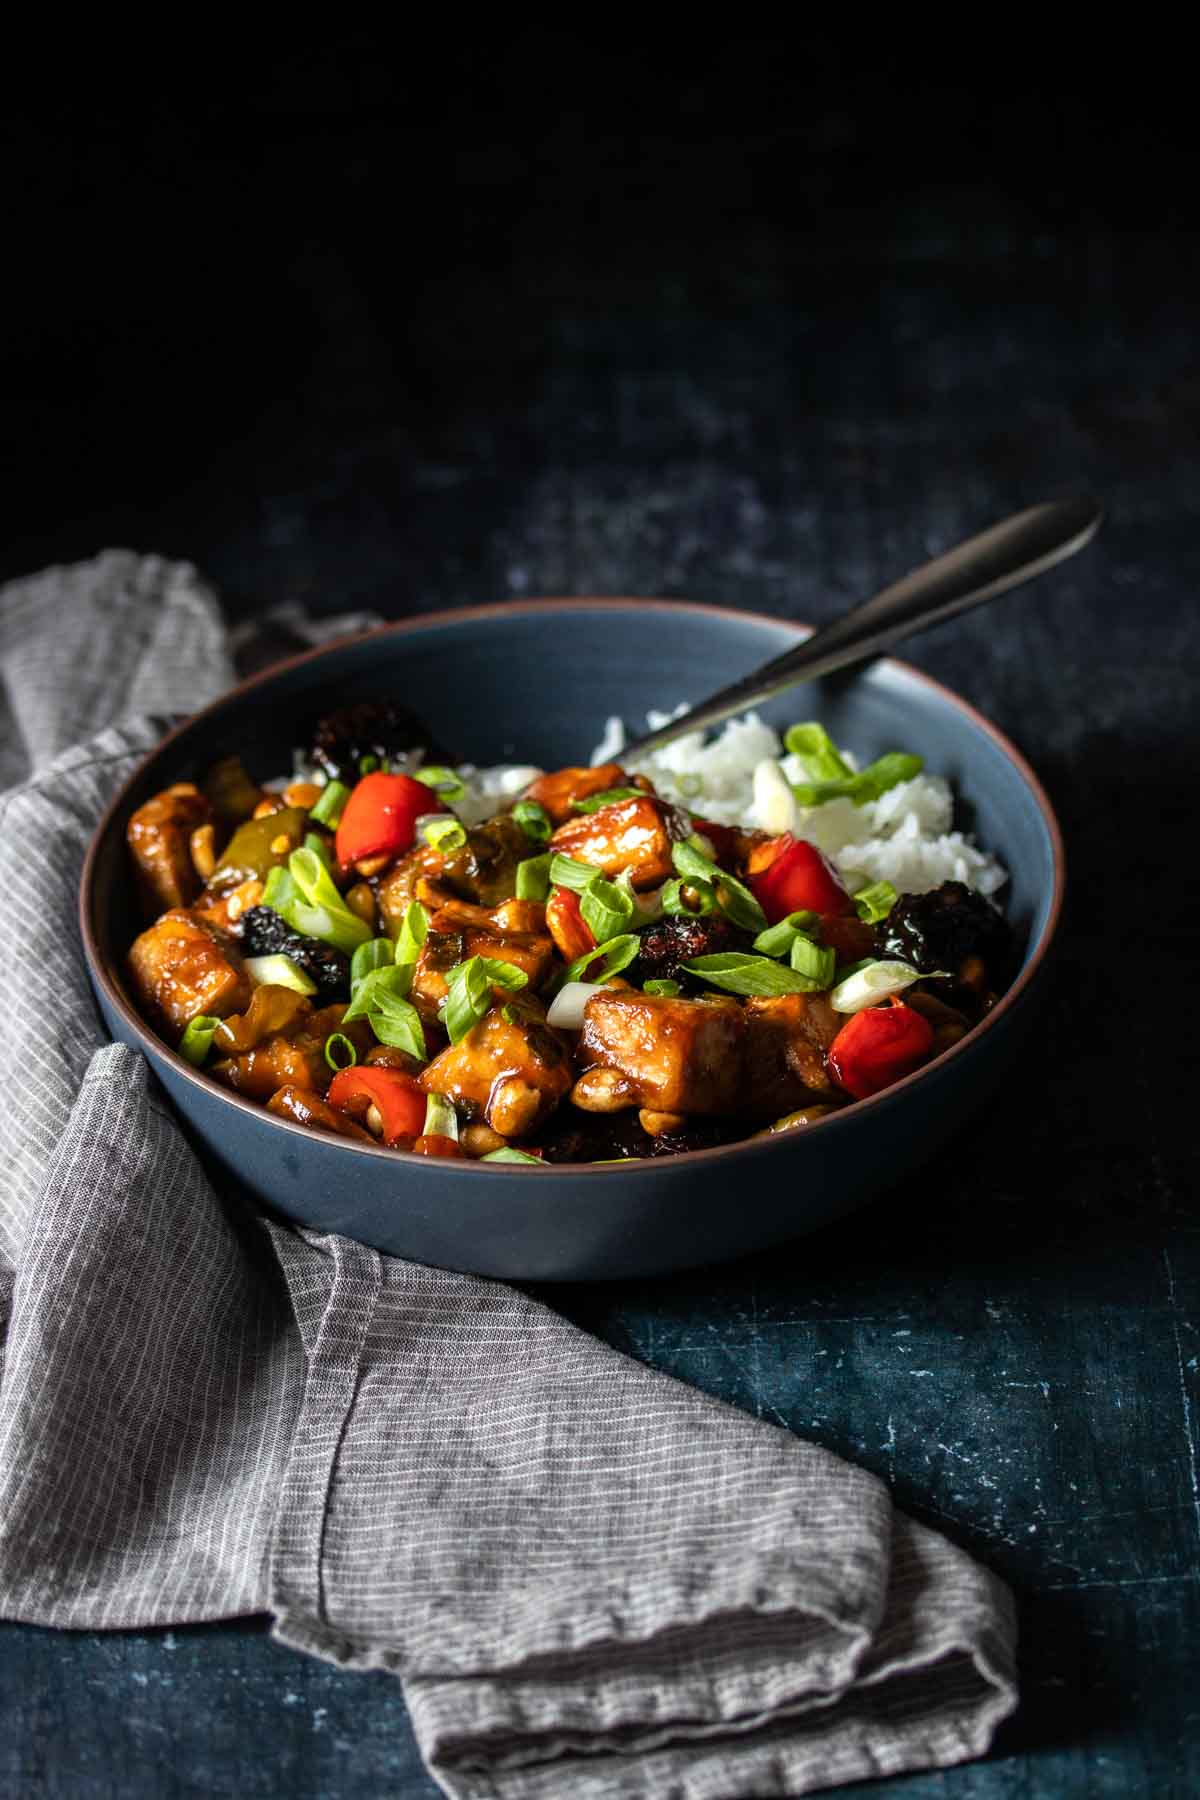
[(798, 879), (878, 1046), (380, 817), (401, 1100), (566, 924)]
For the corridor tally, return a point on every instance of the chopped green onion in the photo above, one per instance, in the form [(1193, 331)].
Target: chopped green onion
[(280, 971), (689, 784), (606, 908), (279, 890), (777, 940), (445, 782), (612, 957), (381, 999), (740, 973), (845, 970), (317, 844), (509, 1155), (443, 832), (875, 902), (691, 862), (731, 895), (313, 907), (441, 1120), (866, 987), (376, 953), (815, 963), (817, 751), (327, 810), (566, 872), (662, 989), (533, 819), (367, 765), (671, 898), (469, 992), (884, 773), (608, 797), (414, 929), (533, 877), (197, 1038), (339, 1051)]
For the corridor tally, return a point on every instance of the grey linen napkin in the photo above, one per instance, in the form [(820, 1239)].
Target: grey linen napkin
[(591, 1579)]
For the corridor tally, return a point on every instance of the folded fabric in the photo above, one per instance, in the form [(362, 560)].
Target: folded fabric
[(591, 1579)]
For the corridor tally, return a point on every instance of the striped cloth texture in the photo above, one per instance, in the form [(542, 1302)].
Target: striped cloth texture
[(591, 1579)]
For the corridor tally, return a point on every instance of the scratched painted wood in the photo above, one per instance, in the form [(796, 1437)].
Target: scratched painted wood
[(775, 402)]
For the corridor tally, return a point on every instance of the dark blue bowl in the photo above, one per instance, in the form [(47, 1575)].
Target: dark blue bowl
[(534, 682)]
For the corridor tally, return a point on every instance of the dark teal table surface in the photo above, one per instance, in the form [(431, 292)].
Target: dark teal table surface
[(773, 371)]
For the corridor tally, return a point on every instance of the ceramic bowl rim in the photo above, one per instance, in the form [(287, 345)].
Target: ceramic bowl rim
[(758, 1146)]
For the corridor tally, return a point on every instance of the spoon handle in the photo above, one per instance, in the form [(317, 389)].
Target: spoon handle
[(981, 568)]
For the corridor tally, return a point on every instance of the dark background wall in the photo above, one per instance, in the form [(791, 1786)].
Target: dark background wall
[(344, 321)]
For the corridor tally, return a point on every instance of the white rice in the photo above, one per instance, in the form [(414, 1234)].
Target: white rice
[(904, 837)]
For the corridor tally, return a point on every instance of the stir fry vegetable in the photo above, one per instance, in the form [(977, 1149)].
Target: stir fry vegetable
[(592, 972)]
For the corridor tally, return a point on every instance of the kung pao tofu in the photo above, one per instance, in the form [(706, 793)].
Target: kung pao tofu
[(585, 970)]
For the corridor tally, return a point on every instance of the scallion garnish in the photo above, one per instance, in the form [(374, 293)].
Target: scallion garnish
[(307, 900), (884, 773), (375, 954), (603, 960), (777, 940), (698, 901), (441, 1120), (662, 989), (381, 999), (868, 986), (814, 963), (566, 872), (511, 1155), (442, 831), (414, 929), (367, 765), (606, 908), (339, 1051), (822, 759), (279, 971), (197, 1038), (319, 846), (446, 783), (469, 992), (327, 809), (738, 972), (533, 877), (534, 820), (875, 902), (608, 797), (732, 896)]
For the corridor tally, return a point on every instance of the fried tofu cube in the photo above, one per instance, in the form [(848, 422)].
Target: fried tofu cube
[(633, 836), (787, 1036), (679, 1056), (449, 943), (182, 967), (559, 790), (511, 1069), (158, 836)]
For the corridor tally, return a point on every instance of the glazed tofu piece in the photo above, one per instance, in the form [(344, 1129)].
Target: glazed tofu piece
[(459, 931), (295, 1053), (630, 835), (558, 791), (677, 1056), (158, 835), (182, 967), (787, 1036), (511, 1069)]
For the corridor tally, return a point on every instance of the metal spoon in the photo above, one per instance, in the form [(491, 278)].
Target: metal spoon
[(977, 570)]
